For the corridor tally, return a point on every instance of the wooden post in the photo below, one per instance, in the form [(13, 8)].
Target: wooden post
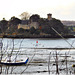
[(49, 63), (66, 63), (57, 71)]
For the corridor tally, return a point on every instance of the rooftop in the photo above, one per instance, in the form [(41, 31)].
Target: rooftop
[(24, 22)]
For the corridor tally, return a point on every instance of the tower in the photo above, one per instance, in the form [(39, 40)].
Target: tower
[(49, 16)]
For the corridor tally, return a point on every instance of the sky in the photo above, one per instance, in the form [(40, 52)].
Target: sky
[(60, 9)]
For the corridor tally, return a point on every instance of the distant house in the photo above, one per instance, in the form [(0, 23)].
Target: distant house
[(34, 24), (25, 24)]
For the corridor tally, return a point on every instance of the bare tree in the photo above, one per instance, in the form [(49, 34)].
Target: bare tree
[(25, 16)]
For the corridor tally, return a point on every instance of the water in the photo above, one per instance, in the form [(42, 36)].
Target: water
[(39, 57), (42, 43)]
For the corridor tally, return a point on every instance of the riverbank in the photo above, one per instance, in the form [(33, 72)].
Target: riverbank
[(40, 63), (35, 36)]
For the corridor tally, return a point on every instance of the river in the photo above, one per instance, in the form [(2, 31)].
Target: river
[(42, 43), (39, 54)]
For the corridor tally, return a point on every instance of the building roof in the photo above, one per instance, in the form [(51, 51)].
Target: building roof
[(24, 22)]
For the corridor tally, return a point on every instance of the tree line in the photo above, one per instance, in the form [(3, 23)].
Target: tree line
[(45, 26)]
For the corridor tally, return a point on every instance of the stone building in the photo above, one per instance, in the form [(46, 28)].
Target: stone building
[(34, 24), (25, 24)]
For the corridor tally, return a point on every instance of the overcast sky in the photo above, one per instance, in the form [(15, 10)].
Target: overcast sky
[(60, 9)]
